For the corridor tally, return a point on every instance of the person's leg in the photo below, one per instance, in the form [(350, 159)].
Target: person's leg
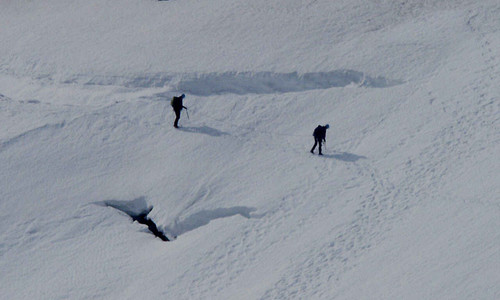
[(314, 147), (319, 142), (177, 117)]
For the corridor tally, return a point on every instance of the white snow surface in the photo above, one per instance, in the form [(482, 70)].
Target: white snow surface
[(404, 203)]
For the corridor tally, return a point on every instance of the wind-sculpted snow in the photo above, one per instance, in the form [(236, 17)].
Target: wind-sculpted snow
[(402, 205), (138, 210), (132, 208), (31, 133), (204, 217), (242, 83), (140, 81)]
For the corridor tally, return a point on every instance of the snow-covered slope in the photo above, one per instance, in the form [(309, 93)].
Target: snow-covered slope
[(403, 205)]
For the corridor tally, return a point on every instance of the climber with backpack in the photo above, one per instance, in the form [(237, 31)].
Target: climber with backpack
[(319, 137), (176, 103)]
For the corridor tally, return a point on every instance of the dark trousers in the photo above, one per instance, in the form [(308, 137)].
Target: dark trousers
[(316, 142), (177, 117)]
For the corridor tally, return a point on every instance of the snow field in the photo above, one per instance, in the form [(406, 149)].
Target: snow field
[(404, 203)]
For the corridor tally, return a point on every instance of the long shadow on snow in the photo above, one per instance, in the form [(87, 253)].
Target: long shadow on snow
[(204, 130), (204, 217), (344, 156)]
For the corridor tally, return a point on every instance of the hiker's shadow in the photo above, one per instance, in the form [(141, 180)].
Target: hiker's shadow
[(204, 130), (345, 156)]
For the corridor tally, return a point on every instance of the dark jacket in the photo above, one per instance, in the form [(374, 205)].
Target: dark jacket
[(320, 133), (177, 103)]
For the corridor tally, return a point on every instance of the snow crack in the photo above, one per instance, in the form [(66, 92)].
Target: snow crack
[(138, 210)]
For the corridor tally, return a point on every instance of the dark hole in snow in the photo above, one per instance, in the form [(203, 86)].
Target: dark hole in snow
[(143, 219), (138, 210)]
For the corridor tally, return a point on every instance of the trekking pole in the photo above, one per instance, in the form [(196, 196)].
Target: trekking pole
[(187, 114)]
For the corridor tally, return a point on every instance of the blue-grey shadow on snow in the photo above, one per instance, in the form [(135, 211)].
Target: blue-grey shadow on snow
[(204, 130), (240, 83), (138, 210), (132, 208), (345, 156), (204, 217)]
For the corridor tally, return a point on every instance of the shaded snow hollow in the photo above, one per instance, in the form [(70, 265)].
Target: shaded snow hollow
[(403, 205), (241, 83)]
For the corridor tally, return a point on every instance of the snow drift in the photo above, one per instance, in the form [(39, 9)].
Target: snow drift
[(403, 205)]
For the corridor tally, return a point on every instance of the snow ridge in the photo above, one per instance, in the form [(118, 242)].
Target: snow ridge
[(402, 205), (240, 83)]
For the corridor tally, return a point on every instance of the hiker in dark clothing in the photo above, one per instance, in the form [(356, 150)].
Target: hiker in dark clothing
[(177, 106), (319, 137)]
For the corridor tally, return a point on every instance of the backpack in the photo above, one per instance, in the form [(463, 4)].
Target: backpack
[(320, 132), (176, 102)]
